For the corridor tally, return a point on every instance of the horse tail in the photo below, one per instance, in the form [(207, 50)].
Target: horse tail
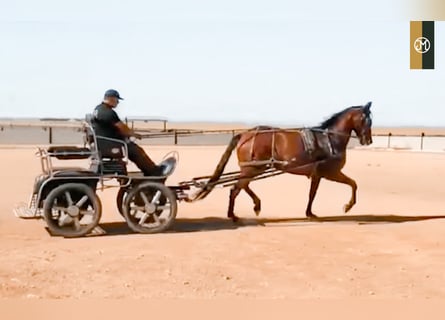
[(225, 158), (219, 168)]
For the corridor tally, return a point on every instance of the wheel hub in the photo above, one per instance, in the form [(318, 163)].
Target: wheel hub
[(150, 208), (73, 211)]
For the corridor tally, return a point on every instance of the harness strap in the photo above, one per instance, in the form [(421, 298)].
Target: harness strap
[(273, 148), (253, 144), (331, 151)]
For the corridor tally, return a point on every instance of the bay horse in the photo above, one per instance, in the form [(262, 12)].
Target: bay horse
[(316, 152)]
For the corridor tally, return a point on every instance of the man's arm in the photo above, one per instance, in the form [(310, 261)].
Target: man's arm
[(125, 130), (109, 116)]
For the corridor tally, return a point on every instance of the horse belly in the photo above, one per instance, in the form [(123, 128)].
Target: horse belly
[(304, 170)]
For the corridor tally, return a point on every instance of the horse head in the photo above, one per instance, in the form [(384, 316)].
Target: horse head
[(362, 122)]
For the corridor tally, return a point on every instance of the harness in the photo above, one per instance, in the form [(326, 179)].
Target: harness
[(316, 143)]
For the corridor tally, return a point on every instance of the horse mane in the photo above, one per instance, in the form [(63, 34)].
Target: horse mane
[(334, 118)]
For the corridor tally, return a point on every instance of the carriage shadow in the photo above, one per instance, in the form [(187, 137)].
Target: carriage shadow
[(186, 225)]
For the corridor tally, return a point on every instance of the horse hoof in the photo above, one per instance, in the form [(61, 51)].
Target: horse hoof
[(310, 215), (347, 207), (235, 219), (257, 212)]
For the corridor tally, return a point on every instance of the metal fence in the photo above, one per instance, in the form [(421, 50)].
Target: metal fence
[(17, 134)]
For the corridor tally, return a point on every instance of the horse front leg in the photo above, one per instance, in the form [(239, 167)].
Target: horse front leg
[(342, 178), (315, 182)]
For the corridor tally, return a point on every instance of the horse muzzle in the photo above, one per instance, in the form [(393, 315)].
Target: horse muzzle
[(365, 141)]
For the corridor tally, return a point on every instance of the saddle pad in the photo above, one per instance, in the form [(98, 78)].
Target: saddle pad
[(317, 144), (308, 140)]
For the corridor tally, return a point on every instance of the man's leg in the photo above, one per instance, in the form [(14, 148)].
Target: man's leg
[(138, 156)]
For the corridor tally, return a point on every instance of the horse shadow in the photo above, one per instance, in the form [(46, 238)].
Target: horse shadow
[(208, 224)]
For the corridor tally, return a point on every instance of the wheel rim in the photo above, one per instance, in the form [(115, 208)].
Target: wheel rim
[(72, 211), (120, 200), (148, 208)]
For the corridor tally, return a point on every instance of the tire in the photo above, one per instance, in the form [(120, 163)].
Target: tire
[(76, 219), (120, 198), (150, 207)]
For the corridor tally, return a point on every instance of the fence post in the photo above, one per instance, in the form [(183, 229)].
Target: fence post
[(50, 135), (165, 125), (176, 137), (389, 140), (421, 140)]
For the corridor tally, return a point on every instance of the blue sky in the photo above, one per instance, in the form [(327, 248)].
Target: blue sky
[(290, 62)]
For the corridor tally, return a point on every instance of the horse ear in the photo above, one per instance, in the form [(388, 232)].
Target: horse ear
[(368, 105)]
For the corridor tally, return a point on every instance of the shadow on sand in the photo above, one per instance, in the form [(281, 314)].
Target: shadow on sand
[(184, 225)]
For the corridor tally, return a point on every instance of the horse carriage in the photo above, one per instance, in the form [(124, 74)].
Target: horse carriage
[(66, 196)]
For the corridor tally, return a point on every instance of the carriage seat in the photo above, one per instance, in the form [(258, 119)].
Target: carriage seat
[(107, 148), (110, 149), (111, 156), (110, 152), (69, 152)]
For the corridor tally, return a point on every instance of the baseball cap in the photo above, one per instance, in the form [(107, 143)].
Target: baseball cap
[(113, 93)]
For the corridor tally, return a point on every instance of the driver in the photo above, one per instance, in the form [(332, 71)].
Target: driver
[(107, 123)]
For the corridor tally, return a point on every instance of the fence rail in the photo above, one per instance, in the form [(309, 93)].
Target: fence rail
[(70, 133)]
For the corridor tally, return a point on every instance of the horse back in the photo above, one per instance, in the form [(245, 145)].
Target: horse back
[(267, 142)]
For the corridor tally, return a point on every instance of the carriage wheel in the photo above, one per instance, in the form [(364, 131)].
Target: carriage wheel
[(121, 194), (72, 210), (150, 208)]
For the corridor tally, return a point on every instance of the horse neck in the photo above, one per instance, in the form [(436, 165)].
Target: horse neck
[(341, 135)]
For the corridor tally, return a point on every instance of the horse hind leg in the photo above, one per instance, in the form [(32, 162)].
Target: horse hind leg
[(255, 198), (243, 184), (234, 192)]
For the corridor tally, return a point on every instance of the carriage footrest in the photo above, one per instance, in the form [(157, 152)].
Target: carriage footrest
[(22, 211)]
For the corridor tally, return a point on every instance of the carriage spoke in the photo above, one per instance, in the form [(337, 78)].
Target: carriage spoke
[(144, 197), (137, 208), (63, 209), (68, 198), (156, 197), (143, 219), (82, 201), (88, 212), (76, 223), (165, 207), (156, 218)]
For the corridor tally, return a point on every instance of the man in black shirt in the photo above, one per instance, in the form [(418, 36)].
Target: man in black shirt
[(106, 123)]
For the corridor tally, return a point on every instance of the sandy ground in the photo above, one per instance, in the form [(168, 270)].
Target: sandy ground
[(390, 245)]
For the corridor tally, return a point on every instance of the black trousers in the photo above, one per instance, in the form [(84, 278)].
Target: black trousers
[(138, 156)]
